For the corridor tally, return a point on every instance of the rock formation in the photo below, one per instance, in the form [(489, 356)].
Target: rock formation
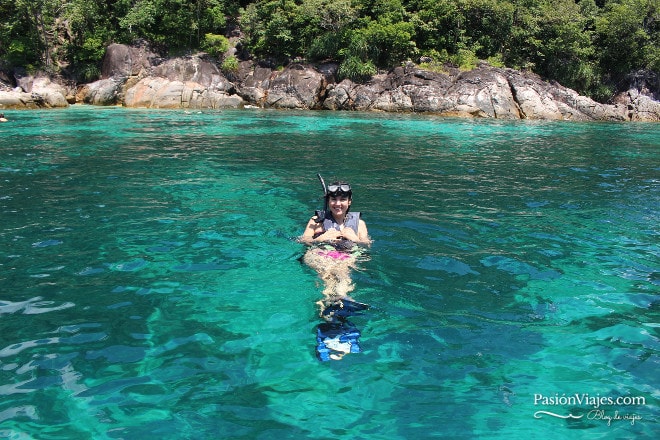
[(133, 76), (34, 92)]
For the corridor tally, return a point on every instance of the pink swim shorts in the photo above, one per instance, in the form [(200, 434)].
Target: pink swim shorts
[(337, 255)]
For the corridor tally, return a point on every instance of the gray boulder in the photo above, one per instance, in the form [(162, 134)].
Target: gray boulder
[(639, 106), (296, 87), (103, 92), (486, 91), (136, 77), (338, 96), (17, 98), (121, 60), (253, 80), (35, 92), (483, 93), (53, 94), (157, 92), (193, 69)]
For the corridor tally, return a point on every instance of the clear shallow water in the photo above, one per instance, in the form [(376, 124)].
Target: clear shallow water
[(151, 286)]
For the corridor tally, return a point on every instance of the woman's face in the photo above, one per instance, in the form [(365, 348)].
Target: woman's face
[(339, 205)]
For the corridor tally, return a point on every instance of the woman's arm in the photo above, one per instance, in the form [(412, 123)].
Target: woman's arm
[(310, 230), (314, 233), (313, 228), (363, 234)]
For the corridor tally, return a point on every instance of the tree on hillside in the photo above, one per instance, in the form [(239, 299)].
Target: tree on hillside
[(566, 52), (326, 25), (173, 24), (628, 35), (272, 28), (30, 27)]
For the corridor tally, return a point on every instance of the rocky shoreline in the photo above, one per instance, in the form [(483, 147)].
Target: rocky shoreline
[(135, 77)]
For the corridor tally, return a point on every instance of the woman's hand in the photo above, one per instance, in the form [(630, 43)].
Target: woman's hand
[(349, 234), (331, 235)]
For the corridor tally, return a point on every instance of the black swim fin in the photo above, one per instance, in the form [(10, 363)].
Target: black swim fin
[(343, 308)]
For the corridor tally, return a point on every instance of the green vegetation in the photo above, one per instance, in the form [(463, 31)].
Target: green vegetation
[(230, 65), (588, 45), (215, 45)]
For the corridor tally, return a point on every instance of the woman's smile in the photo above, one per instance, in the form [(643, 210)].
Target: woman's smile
[(339, 205)]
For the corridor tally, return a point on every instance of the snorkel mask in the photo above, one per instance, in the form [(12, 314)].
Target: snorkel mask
[(339, 189)]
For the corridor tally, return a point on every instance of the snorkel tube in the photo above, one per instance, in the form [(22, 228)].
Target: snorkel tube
[(325, 191), (320, 215)]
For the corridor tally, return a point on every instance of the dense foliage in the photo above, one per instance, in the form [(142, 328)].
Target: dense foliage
[(588, 45)]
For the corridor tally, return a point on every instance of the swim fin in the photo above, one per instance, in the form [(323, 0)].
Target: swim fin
[(343, 308)]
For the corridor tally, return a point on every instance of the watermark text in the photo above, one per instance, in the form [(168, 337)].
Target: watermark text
[(584, 399), (595, 407)]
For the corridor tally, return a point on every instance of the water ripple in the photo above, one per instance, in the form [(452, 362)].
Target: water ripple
[(32, 306), (15, 348)]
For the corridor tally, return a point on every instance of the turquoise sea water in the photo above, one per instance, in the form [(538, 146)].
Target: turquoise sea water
[(151, 287)]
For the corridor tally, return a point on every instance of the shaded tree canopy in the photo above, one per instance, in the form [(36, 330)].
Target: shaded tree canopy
[(588, 45)]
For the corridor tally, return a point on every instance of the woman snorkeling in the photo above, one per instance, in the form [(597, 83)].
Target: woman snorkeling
[(337, 238), (337, 223)]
